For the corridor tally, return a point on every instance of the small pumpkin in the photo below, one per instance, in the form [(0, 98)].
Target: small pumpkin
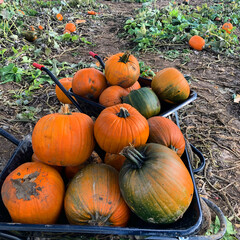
[(67, 84), (59, 17), (112, 95), (135, 86), (70, 171), (170, 85), (31, 36), (118, 126), (155, 183), (227, 27), (122, 69), (89, 83), (93, 198), (33, 193), (70, 27), (63, 139), (114, 160), (164, 131), (144, 100), (197, 42)]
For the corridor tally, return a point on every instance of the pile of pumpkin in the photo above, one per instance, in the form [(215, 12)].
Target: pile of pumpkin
[(141, 171)]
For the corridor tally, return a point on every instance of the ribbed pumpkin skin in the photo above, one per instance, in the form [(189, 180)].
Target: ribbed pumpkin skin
[(93, 197), (33, 194), (161, 190), (170, 85), (89, 83), (164, 131), (113, 133), (120, 73), (63, 140), (112, 96), (67, 83), (144, 100)]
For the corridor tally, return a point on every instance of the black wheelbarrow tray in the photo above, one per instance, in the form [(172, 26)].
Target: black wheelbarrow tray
[(185, 228)]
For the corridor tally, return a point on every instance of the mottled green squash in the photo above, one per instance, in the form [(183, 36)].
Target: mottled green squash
[(144, 100), (155, 183)]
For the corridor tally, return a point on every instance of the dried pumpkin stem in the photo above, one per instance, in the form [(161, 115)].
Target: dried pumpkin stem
[(123, 113), (133, 155), (65, 109), (124, 58)]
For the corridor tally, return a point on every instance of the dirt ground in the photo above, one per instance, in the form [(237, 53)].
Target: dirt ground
[(211, 123)]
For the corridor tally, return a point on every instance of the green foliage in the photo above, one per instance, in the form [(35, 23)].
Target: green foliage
[(175, 24), (145, 71), (230, 232)]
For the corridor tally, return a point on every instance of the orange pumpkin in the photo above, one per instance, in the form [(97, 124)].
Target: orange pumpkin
[(89, 83), (119, 126), (112, 96), (114, 160), (227, 27), (135, 86), (170, 85), (63, 139), (164, 131), (122, 69), (33, 193), (70, 171), (93, 198), (197, 42), (70, 27), (67, 83)]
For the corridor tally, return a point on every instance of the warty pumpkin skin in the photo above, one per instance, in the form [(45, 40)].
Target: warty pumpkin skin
[(122, 69), (170, 85), (63, 139), (164, 131), (119, 126), (93, 198), (89, 83), (33, 194), (144, 100), (112, 96), (155, 183)]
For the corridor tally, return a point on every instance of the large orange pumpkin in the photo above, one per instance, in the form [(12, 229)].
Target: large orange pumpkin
[(89, 83), (196, 42), (164, 131), (93, 198), (63, 139), (155, 183), (33, 193), (67, 83), (170, 85), (112, 96), (122, 69), (119, 126)]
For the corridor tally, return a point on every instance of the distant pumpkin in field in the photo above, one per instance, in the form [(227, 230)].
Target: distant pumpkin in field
[(197, 42), (227, 27)]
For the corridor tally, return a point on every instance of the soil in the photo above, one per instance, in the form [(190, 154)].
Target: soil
[(211, 123)]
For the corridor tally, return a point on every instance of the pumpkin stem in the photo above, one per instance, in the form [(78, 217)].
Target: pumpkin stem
[(133, 155), (124, 58), (65, 110), (123, 113)]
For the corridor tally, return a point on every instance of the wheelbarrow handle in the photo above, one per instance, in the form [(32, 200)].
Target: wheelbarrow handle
[(94, 55), (8, 236), (219, 235), (9, 137), (42, 68), (201, 157)]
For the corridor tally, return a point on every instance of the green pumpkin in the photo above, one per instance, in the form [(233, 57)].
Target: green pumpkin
[(144, 100), (155, 183)]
